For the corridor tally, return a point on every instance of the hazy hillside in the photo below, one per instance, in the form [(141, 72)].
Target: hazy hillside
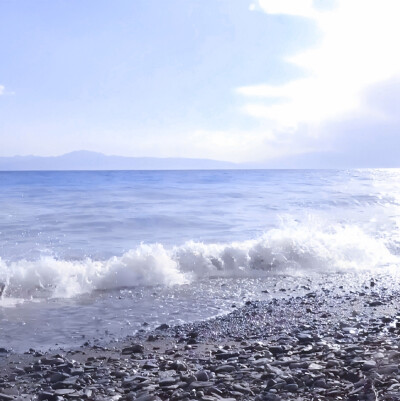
[(85, 160)]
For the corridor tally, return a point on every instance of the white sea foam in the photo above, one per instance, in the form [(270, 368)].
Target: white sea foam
[(146, 265), (294, 247)]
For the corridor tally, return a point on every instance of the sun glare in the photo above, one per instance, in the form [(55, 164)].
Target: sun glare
[(358, 49)]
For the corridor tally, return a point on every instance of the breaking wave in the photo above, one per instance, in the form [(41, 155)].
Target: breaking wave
[(294, 248)]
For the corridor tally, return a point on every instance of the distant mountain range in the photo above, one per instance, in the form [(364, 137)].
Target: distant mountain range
[(86, 160)]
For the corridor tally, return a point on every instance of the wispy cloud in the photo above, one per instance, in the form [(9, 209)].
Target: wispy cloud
[(5, 92), (302, 8), (358, 49)]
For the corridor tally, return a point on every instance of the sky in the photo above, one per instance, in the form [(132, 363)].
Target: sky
[(281, 83)]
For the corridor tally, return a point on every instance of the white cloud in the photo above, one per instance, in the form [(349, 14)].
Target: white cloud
[(359, 48), (235, 146), (2, 90), (302, 8)]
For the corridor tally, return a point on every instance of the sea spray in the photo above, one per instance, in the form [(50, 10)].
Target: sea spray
[(296, 248)]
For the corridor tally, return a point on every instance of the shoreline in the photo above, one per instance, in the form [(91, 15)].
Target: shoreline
[(336, 342)]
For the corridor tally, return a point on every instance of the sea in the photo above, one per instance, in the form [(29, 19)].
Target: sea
[(91, 256)]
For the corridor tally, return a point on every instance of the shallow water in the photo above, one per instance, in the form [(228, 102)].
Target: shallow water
[(97, 254)]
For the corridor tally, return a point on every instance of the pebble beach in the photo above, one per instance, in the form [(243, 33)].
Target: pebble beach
[(329, 341)]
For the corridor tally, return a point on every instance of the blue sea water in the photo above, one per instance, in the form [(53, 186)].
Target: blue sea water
[(87, 254)]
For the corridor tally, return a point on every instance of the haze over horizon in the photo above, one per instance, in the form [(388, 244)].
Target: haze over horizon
[(88, 160), (285, 83)]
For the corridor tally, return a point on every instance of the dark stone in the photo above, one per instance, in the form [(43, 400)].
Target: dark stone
[(221, 355), (163, 326), (167, 382), (57, 377), (320, 383), (179, 366), (375, 303), (202, 376), (351, 377), (225, 369), (133, 349), (276, 349)]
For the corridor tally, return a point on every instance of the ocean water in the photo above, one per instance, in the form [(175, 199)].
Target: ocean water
[(95, 255)]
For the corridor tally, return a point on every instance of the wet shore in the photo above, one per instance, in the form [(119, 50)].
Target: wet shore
[(333, 340)]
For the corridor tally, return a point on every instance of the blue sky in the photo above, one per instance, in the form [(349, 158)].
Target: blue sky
[(285, 82)]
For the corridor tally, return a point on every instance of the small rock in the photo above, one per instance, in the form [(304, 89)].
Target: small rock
[(292, 387), (276, 349), (169, 381), (57, 377), (375, 303), (315, 366), (225, 369), (320, 383), (368, 365), (133, 349), (64, 391), (305, 338), (163, 326), (202, 376)]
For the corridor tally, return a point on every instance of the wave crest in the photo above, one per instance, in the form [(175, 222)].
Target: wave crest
[(145, 265), (294, 248)]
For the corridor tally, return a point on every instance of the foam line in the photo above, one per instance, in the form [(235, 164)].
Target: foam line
[(296, 247)]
